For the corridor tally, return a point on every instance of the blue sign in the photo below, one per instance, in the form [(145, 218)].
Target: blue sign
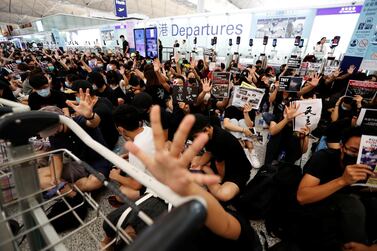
[(120, 8), (363, 43)]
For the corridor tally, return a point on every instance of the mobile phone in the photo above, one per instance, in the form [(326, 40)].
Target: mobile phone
[(252, 130)]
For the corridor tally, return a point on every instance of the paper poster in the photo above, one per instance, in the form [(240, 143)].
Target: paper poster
[(367, 118), (220, 84), (368, 156), (290, 84), (185, 93), (328, 70), (294, 63), (310, 114), (244, 95), (363, 88)]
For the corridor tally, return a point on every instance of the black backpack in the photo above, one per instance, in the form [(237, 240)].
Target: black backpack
[(68, 220), (281, 215), (255, 199)]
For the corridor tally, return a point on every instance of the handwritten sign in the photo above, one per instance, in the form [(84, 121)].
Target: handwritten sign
[(185, 93), (220, 84), (244, 95), (310, 114), (363, 88)]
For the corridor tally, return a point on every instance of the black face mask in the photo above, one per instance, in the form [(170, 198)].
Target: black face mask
[(349, 160), (200, 66), (192, 80)]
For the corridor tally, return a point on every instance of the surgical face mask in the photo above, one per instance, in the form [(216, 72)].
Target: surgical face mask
[(51, 68), (77, 99), (94, 87), (18, 61), (44, 92), (67, 84), (349, 160), (99, 65)]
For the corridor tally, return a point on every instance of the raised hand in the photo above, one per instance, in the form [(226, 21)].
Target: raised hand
[(315, 79), (337, 72), (290, 112), (156, 64), (86, 104), (247, 108), (206, 85), (170, 166), (351, 69)]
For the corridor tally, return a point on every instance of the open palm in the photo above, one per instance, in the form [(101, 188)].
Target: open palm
[(170, 166)]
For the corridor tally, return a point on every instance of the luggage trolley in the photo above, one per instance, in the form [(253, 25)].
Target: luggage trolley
[(19, 167)]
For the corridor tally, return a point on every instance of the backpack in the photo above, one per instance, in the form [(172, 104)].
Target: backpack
[(255, 199), (281, 215), (68, 220)]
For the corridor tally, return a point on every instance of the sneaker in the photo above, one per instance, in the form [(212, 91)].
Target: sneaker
[(253, 158)]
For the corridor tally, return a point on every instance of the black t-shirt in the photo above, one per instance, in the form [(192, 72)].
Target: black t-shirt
[(158, 94), (103, 109), (109, 94), (125, 45), (233, 112), (284, 146), (56, 98), (324, 165), (127, 97), (225, 147), (69, 140)]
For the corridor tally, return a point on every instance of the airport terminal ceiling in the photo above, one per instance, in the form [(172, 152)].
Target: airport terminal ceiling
[(25, 11)]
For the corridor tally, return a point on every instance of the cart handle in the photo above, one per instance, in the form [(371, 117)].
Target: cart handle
[(172, 230)]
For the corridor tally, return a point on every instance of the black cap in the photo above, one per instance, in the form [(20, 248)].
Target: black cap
[(83, 84)]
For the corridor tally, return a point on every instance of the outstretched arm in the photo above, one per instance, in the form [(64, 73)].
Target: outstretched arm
[(170, 166)]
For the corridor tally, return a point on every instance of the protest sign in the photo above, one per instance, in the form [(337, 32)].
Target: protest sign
[(220, 84), (294, 63), (290, 84), (363, 88), (185, 93), (367, 118), (244, 95), (309, 111), (368, 156)]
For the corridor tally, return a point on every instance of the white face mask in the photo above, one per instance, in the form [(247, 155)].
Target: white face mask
[(44, 92), (207, 96)]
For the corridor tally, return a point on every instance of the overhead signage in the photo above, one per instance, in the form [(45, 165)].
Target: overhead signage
[(120, 8)]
